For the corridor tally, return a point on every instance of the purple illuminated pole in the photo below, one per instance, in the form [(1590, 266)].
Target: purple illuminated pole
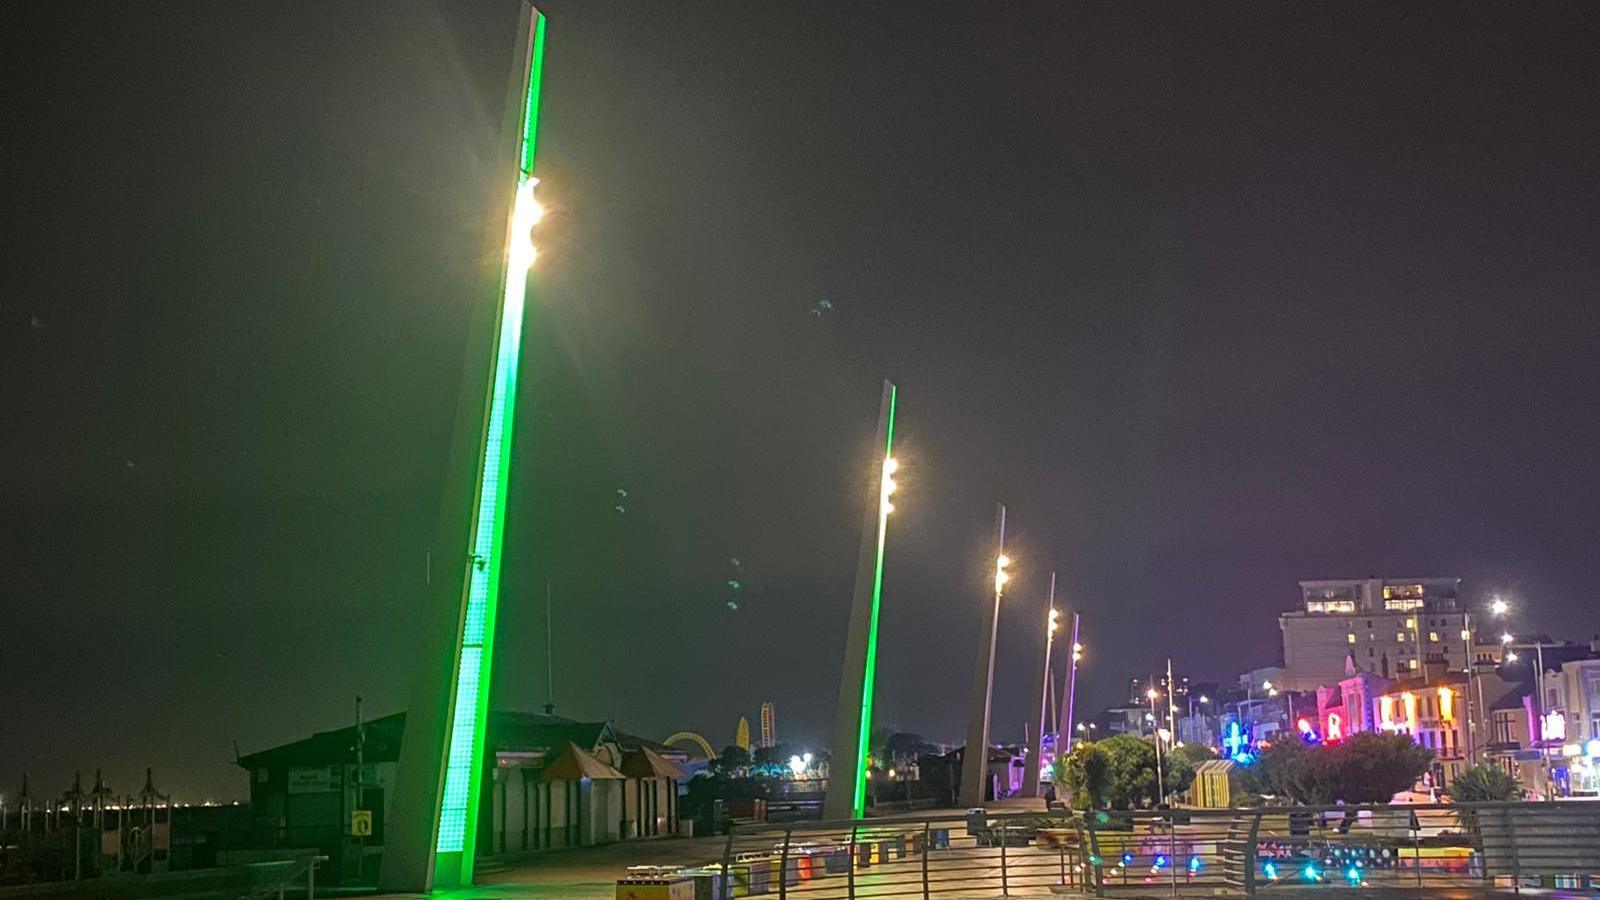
[(1072, 691)]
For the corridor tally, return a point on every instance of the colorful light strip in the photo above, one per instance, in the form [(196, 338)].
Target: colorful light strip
[(458, 813), (885, 488)]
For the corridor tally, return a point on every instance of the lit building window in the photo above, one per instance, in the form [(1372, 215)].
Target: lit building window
[(1433, 637), (1400, 637), (1466, 635), (1350, 638), (1411, 623), (1411, 663), (1331, 606)]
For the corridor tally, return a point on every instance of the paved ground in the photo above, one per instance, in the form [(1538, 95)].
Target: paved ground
[(584, 873)]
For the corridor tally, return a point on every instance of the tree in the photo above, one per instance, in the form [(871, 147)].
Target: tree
[(733, 760), (1120, 772), (1083, 775), (1131, 771), (1194, 753), (1372, 768), (1364, 768), (1484, 784)]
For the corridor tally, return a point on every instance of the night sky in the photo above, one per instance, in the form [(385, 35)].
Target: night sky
[(1215, 297)]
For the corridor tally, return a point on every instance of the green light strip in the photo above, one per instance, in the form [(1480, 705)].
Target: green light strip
[(458, 812), (530, 112), (865, 736)]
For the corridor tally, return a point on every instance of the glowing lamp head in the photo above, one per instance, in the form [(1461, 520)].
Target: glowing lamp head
[(1511, 656), (1000, 576), (891, 466), (1507, 638), (797, 765), (1151, 693), (1498, 606), (525, 214), (1052, 622)]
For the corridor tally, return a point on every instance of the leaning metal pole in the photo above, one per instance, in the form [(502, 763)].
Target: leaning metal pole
[(1071, 726), (852, 725), (1031, 774), (975, 758), (431, 830)]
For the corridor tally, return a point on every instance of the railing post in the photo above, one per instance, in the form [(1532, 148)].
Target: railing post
[(1249, 855), (1061, 860), (783, 865), (1172, 849), (311, 881), (1094, 854), (1005, 883), (1511, 836), (727, 863), (850, 880), (927, 848), (1416, 847)]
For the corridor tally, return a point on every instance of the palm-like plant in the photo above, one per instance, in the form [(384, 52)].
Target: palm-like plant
[(1484, 784)]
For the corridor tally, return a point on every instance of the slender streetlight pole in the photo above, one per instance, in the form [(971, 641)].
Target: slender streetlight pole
[(1498, 607), (432, 832), (1544, 749), (1031, 775), (1172, 706), (852, 730), (1155, 726), (975, 758), (1072, 689)]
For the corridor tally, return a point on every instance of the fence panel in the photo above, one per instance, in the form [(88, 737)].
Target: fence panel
[(1425, 849)]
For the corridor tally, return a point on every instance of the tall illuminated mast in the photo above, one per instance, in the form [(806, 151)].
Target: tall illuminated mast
[(433, 823), (852, 728), (975, 757)]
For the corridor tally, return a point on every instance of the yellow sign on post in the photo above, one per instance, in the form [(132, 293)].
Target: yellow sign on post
[(361, 822)]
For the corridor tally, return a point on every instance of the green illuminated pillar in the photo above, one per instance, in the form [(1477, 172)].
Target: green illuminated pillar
[(432, 828), (852, 729)]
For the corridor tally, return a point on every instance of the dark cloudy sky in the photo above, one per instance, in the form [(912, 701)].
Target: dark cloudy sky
[(1216, 297)]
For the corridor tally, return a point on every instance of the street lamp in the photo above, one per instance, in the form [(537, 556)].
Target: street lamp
[(1161, 787), (1030, 781), (1499, 607), (977, 746)]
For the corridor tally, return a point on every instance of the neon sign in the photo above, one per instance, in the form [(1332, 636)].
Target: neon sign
[(1237, 744), (1553, 727), (1307, 733)]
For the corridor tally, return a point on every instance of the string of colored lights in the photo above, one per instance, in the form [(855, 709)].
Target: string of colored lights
[(864, 738), (458, 807)]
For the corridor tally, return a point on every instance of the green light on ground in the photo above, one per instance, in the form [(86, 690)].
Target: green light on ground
[(885, 488)]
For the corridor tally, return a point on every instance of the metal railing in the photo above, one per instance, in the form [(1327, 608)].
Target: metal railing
[(1425, 848)]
